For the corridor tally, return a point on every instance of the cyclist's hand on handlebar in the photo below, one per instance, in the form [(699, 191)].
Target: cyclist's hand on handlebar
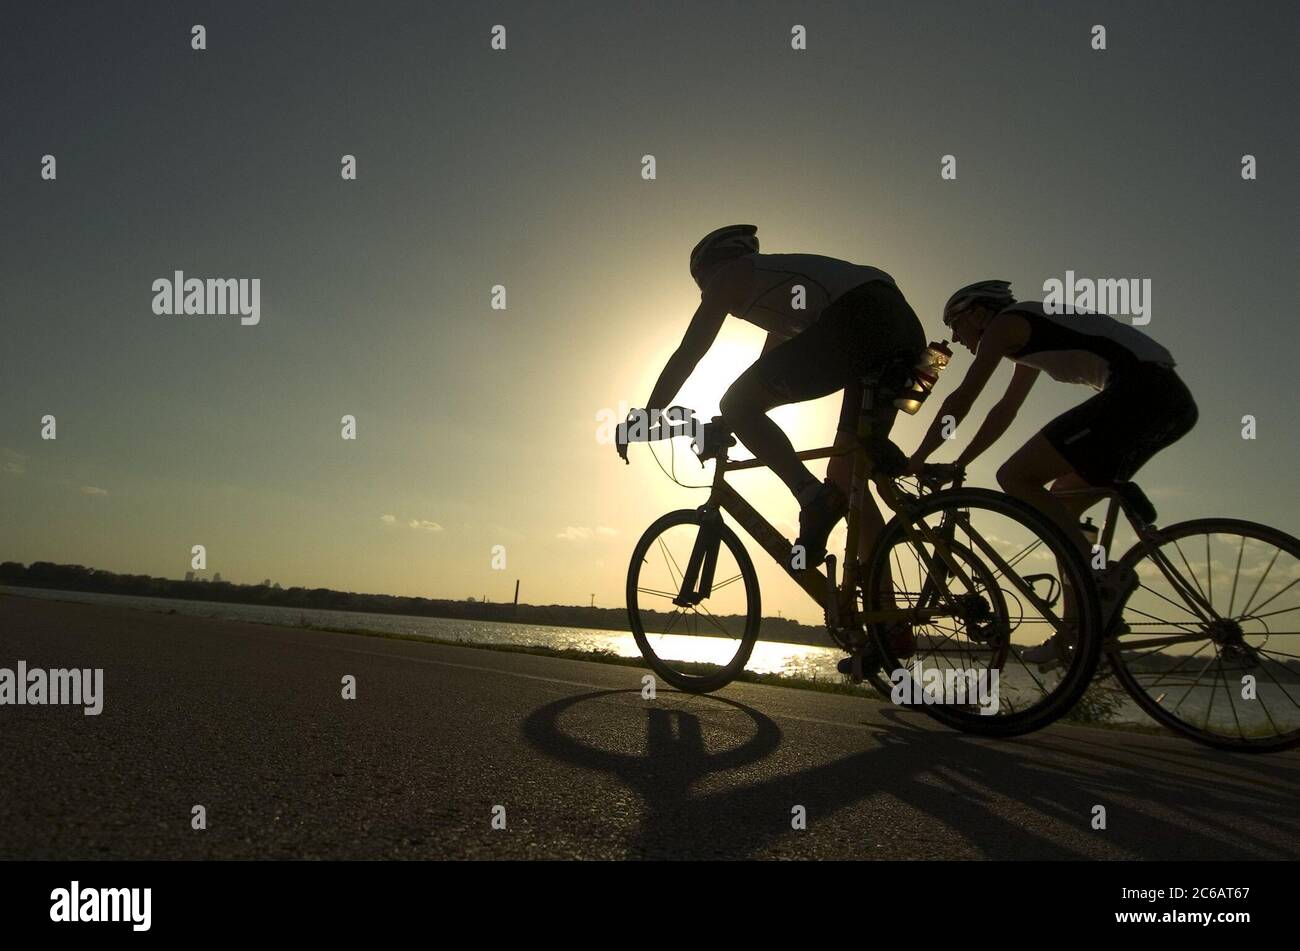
[(933, 475), (621, 434)]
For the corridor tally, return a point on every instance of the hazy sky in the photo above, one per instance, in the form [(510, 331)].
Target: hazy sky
[(522, 168)]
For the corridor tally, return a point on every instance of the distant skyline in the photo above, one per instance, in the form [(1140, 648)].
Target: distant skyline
[(476, 427)]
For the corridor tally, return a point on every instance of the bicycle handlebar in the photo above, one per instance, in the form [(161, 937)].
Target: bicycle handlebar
[(712, 439), (652, 425)]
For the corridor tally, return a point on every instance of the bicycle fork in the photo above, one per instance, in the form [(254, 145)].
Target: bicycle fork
[(697, 579)]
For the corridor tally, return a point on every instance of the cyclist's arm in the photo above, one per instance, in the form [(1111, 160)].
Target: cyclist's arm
[(1001, 415), (695, 344), (723, 295), (999, 339)]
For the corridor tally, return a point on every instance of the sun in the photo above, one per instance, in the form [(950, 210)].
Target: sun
[(809, 425)]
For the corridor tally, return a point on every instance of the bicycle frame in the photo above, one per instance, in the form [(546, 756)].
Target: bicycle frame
[(820, 587), (1145, 532)]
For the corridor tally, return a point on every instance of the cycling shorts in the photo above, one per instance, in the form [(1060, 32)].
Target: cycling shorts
[(865, 328), (1143, 409)]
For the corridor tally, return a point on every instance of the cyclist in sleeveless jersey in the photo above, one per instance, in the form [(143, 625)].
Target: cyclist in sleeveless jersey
[(828, 321), (1142, 406)]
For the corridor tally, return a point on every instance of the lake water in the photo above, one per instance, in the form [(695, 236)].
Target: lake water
[(768, 657)]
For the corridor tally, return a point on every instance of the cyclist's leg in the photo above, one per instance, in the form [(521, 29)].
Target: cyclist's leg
[(813, 364), (1025, 476), (840, 468), (1082, 494), (840, 471), (1105, 438)]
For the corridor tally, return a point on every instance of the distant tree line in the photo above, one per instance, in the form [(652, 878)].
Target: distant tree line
[(45, 574)]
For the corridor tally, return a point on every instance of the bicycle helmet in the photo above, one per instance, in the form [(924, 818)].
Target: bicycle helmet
[(993, 294), (719, 246)]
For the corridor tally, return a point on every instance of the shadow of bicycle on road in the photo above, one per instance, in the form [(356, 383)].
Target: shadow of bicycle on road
[(716, 782)]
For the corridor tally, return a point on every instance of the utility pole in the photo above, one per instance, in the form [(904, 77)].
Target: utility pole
[(593, 600)]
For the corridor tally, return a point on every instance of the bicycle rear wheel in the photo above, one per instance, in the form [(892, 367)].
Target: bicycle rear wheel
[(1222, 667), (1006, 598), (693, 601)]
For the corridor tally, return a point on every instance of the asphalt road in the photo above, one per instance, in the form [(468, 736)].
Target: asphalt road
[(248, 720)]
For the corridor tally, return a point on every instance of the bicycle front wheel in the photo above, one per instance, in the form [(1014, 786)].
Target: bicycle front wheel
[(692, 600), (994, 577), (933, 591), (1214, 653)]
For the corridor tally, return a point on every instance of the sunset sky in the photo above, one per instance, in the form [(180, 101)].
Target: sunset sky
[(477, 427)]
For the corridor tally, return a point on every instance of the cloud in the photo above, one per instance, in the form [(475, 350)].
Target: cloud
[(12, 462), (93, 490), (581, 533), (419, 524)]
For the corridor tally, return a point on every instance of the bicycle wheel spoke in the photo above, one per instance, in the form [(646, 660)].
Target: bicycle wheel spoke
[(658, 594), (722, 584), (1236, 573), (672, 620), (1263, 604), (1195, 580), (1177, 667), (1209, 573), (1175, 604), (1227, 692), (1278, 684), (708, 616), (670, 562), (1188, 691), (1272, 561), (1277, 653)]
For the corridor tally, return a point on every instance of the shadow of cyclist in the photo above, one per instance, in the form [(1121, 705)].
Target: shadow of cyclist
[(916, 792)]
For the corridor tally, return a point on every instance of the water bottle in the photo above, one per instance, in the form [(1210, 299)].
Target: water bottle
[(925, 374)]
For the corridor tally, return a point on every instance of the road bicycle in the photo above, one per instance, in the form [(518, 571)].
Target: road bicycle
[(1205, 644), (959, 583)]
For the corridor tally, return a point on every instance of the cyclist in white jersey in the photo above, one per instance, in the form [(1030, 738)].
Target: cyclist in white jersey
[(1142, 406), (828, 321)]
